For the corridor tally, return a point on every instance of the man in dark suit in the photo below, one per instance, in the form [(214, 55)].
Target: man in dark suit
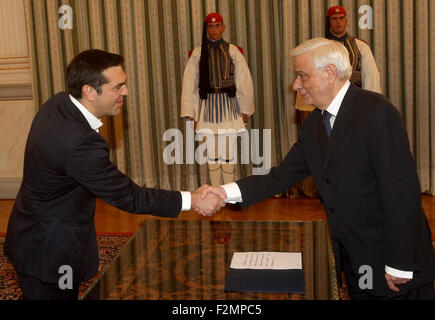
[(355, 146), (51, 229)]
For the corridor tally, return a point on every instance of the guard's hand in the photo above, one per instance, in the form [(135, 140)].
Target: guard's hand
[(245, 118)]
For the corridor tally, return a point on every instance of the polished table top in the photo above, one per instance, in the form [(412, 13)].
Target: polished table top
[(184, 260)]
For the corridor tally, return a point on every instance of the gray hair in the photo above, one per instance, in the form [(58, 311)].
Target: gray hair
[(324, 52)]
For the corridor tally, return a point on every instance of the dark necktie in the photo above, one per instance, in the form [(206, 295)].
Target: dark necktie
[(326, 121)]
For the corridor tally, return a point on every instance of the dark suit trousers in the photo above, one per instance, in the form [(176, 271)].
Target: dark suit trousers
[(425, 292), (34, 289)]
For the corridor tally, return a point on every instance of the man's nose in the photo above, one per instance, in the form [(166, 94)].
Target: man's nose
[(297, 84), (125, 91)]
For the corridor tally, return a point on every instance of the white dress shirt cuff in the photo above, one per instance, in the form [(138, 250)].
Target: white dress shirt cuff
[(398, 273), (233, 192), (187, 200)]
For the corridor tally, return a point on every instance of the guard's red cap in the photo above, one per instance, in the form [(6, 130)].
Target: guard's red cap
[(336, 10), (213, 18)]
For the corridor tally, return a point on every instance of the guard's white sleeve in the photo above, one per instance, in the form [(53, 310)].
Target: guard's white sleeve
[(370, 77), (190, 91), (243, 80)]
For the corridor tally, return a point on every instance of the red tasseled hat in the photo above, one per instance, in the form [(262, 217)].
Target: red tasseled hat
[(214, 17), (336, 10)]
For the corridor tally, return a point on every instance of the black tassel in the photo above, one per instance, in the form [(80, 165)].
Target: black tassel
[(328, 34), (204, 77)]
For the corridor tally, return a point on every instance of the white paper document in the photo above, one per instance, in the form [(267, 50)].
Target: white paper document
[(267, 260)]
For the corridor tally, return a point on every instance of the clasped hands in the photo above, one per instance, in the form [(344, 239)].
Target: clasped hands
[(206, 200)]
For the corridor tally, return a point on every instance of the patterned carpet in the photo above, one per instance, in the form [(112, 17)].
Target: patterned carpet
[(109, 246)]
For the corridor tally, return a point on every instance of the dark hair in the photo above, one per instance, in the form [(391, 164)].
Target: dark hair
[(328, 28), (87, 69)]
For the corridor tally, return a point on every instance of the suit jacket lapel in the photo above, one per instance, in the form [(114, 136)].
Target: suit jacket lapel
[(342, 122)]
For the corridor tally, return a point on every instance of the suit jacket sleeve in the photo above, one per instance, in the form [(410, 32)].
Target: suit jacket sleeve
[(398, 188), (90, 167), (292, 170)]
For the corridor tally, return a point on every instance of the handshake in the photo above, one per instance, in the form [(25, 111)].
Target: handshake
[(206, 200)]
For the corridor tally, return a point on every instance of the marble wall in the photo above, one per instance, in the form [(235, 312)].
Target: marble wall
[(15, 120), (16, 105)]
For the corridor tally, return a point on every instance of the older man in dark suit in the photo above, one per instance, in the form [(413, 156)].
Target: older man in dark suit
[(355, 146), (51, 229)]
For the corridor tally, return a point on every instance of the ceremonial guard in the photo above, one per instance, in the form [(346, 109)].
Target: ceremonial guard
[(365, 73), (218, 96)]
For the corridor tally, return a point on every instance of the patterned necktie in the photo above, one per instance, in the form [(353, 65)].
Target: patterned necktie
[(326, 121)]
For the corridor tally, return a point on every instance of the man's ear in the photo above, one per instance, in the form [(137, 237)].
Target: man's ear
[(332, 72), (88, 92)]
